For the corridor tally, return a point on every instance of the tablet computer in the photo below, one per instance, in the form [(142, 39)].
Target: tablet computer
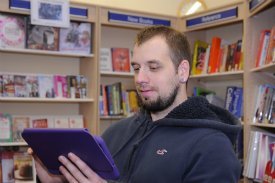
[(49, 143)]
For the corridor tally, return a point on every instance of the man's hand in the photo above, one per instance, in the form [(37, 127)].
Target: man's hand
[(42, 172), (75, 170)]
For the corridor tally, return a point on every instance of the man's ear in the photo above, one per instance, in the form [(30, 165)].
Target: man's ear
[(183, 71)]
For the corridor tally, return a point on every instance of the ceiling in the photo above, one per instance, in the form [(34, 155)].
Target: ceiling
[(165, 7)]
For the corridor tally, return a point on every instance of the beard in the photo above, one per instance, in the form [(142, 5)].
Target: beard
[(160, 103)]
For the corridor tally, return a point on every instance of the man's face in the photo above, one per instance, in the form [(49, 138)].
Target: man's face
[(155, 76)]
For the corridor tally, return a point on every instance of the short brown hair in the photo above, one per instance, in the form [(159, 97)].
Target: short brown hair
[(176, 41)]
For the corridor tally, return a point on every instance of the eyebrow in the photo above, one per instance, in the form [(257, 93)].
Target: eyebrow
[(147, 62)]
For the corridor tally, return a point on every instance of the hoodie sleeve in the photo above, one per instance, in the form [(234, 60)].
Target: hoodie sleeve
[(212, 160)]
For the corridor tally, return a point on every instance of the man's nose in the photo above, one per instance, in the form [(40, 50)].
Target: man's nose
[(141, 76)]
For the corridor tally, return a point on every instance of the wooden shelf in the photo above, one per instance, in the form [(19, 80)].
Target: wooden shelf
[(117, 74), (233, 75), (263, 125), (265, 68), (44, 52), (13, 144), (45, 100)]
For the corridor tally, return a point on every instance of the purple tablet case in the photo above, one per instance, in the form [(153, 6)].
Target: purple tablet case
[(48, 144)]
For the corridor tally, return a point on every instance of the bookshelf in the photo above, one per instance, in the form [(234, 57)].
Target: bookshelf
[(204, 26), (120, 32), (227, 23), (258, 18), (29, 61)]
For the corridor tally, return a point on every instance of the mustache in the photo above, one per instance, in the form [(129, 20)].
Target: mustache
[(142, 86)]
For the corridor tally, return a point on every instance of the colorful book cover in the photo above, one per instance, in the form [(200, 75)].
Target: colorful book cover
[(271, 46), (45, 86), (20, 86), (261, 43), (7, 167), (81, 91), (199, 57), (229, 64), (214, 54), (32, 86), (8, 85), (121, 59), (76, 38), (106, 59), (71, 86), (42, 37), (234, 100), (12, 31), (60, 86), (19, 123), (40, 123), (23, 167), (5, 128), (238, 56)]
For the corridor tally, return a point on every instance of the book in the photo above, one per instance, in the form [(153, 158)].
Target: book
[(7, 167), (12, 31), (20, 86), (60, 86), (206, 62), (106, 59), (23, 167), (234, 100), (42, 37), (61, 122), (229, 63), (19, 123), (81, 89), (214, 53), (76, 121), (43, 121), (264, 34), (76, 38), (40, 123), (5, 128), (32, 86), (199, 91), (72, 86), (271, 46), (199, 57), (121, 59), (238, 56), (45, 86), (1, 85), (8, 85)]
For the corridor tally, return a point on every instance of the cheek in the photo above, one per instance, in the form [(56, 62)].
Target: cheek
[(167, 84)]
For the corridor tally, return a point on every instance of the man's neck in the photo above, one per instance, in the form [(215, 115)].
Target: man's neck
[(161, 114)]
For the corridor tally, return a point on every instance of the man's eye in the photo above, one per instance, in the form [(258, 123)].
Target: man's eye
[(136, 68), (154, 68)]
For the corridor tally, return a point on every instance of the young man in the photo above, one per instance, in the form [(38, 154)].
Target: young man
[(172, 138)]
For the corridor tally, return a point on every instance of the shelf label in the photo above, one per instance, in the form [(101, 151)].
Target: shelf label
[(211, 18), (254, 4), (26, 5), (133, 19)]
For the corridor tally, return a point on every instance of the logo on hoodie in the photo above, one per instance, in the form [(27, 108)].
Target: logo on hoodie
[(161, 152)]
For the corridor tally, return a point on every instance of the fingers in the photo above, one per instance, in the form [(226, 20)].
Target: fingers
[(71, 172), (78, 171)]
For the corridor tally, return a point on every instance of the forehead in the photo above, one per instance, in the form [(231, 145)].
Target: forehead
[(155, 48)]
